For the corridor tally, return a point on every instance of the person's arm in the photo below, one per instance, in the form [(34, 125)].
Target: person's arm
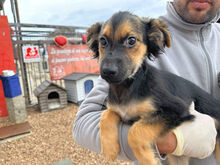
[(86, 130)]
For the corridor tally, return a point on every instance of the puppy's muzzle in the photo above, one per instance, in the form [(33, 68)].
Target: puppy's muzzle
[(109, 73)]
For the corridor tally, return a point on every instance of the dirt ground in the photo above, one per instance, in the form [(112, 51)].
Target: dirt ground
[(50, 141)]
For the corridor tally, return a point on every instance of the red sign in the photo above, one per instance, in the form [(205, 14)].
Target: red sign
[(72, 58)]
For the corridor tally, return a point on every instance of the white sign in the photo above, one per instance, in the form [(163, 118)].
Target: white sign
[(31, 53)]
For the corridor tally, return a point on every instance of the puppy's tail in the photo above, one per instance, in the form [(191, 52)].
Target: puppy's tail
[(207, 104), (187, 118), (177, 120)]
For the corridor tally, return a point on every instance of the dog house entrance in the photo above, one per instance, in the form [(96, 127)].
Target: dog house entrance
[(88, 85), (53, 100)]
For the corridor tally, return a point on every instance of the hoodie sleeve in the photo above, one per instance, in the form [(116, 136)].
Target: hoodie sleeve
[(86, 125)]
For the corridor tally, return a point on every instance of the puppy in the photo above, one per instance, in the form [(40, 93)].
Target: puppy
[(155, 101)]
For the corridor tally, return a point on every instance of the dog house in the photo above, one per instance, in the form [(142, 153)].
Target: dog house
[(50, 96), (78, 85)]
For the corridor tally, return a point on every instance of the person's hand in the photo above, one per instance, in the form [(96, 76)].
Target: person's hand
[(167, 144), (193, 139)]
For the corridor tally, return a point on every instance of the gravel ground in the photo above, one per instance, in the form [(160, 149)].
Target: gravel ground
[(50, 141)]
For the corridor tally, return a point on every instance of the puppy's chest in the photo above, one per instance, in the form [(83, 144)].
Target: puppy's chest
[(134, 109), (126, 112)]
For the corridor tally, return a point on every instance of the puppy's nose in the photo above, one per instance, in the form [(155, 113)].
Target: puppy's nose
[(109, 71)]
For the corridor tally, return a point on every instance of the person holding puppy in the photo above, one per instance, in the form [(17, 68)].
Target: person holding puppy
[(193, 56)]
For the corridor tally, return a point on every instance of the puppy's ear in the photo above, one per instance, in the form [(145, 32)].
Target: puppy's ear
[(93, 38), (157, 37)]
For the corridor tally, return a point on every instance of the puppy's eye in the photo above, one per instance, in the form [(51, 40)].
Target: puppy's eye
[(131, 41), (104, 42)]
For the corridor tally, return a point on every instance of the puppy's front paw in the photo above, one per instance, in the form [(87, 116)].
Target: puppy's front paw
[(110, 147), (109, 134)]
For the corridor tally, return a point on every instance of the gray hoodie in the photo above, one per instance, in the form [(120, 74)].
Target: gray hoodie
[(193, 55)]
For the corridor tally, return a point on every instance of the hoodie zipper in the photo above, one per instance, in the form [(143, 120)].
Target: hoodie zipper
[(210, 70)]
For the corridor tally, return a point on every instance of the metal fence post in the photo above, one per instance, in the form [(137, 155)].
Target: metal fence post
[(24, 76)]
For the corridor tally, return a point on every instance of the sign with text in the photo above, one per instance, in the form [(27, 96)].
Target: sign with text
[(71, 58), (31, 53)]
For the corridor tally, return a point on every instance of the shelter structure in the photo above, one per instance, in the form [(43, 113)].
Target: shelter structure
[(50, 96), (78, 85)]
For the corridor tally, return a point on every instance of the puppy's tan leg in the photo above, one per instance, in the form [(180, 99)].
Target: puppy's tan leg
[(140, 138), (217, 151), (109, 134), (178, 160)]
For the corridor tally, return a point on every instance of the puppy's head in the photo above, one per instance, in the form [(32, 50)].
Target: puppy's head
[(122, 43)]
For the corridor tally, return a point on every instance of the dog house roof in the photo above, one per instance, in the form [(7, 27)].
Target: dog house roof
[(44, 85), (77, 76)]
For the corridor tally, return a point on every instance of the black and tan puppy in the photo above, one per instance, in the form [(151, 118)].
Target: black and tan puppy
[(156, 101)]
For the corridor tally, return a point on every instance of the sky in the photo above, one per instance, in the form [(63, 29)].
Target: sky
[(81, 12)]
